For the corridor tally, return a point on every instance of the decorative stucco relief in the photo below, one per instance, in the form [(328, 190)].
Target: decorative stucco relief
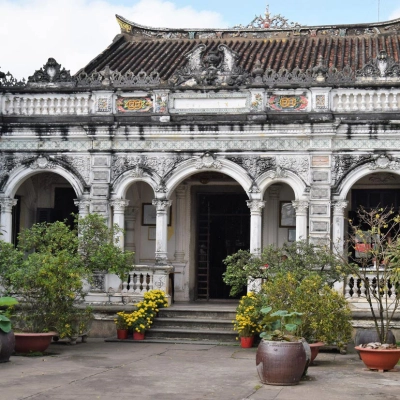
[(81, 164), (142, 165), (254, 165), (300, 165), (342, 164)]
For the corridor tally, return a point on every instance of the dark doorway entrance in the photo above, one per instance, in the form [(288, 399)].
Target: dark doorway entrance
[(223, 222)]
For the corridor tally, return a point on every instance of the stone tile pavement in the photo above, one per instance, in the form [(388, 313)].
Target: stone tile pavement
[(126, 371)]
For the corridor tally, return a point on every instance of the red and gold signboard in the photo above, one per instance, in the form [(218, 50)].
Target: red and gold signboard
[(134, 104), (288, 103)]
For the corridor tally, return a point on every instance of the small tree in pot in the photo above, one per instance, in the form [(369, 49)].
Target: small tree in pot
[(373, 265)]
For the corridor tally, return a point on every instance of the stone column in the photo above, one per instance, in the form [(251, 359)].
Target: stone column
[(180, 223), (273, 215), (301, 219), (256, 207), (6, 205), (338, 225), (130, 222), (162, 206), (118, 206)]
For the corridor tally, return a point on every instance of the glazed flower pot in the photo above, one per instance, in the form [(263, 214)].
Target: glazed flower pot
[(315, 349), (138, 335), (7, 343), (246, 342), (379, 359), (32, 342), (280, 363), (122, 333)]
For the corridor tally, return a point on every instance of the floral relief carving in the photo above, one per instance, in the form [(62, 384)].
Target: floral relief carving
[(42, 163), (255, 166), (81, 164)]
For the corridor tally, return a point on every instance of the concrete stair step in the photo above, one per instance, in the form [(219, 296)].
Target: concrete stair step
[(193, 323), (192, 334), (197, 313)]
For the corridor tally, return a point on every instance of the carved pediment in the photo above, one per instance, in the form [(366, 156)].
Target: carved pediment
[(383, 66), (216, 68), (51, 74)]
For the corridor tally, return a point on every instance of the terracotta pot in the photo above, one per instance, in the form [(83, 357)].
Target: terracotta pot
[(315, 349), (138, 335), (122, 333), (280, 363), (379, 359), (32, 342), (7, 343), (246, 341)]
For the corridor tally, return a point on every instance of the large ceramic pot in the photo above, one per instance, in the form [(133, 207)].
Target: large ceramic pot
[(379, 359), (364, 336), (7, 343), (33, 342), (281, 363)]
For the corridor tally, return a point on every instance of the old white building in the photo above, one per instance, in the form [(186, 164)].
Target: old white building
[(200, 142)]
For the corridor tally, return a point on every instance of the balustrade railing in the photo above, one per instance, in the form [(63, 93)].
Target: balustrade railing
[(65, 104), (356, 288), (365, 100)]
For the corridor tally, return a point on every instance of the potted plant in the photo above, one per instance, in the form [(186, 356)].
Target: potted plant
[(281, 357), (156, 298), (46, 274), (122, 324), (7, 339), (247, 318), (326, 315), (373, 263)]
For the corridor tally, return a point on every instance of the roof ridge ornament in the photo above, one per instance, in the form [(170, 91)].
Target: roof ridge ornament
[(216, 68), (51, 75), (269, 21), (382, 66)]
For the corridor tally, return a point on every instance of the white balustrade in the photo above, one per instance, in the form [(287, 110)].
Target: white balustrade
[(51, 104), (355, 288), (350, 100), (145, 277)]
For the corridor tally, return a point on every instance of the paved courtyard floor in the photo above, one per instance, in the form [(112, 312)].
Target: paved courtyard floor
[(126, 371)]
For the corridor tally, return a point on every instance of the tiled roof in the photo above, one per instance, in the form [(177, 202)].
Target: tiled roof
[(140, 48)]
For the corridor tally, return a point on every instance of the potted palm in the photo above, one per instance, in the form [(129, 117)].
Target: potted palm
[(373, 270), (282, 357), (7, 338)]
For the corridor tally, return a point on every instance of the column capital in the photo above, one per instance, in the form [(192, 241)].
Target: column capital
[(339, 206), (119, 204), (161, 204), (83, 205), (300, 206), (255, 205), (7, 203)]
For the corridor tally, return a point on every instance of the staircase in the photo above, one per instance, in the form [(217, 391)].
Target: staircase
[(200, 323)]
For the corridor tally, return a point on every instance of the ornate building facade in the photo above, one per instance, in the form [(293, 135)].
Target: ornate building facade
[(201, 142)]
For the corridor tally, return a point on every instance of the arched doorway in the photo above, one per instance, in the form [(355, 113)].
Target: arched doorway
[(222, 227)]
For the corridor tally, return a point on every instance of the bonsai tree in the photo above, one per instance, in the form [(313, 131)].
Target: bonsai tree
[(298, 257), (374, 262)]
